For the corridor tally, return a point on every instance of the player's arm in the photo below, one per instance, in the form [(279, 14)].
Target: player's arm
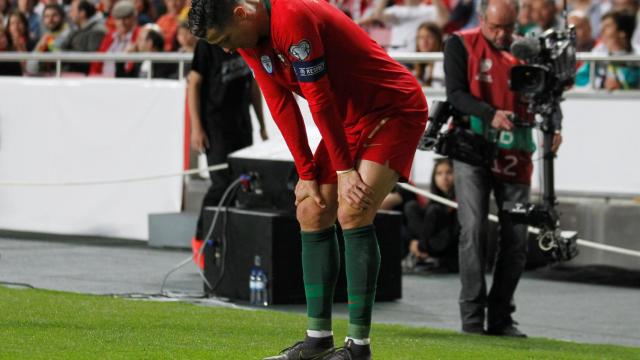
[(304, 48), (286, 114), (300, 37), (256, 101)]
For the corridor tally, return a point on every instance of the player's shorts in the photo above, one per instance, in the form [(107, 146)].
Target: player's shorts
[(390, 141)]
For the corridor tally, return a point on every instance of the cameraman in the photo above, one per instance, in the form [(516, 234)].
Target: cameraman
[(477, 66)]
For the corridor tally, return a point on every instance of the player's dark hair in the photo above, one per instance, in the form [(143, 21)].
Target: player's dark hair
[(206, 14)]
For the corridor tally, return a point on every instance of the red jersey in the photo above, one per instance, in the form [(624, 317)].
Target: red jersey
[(348, 80)]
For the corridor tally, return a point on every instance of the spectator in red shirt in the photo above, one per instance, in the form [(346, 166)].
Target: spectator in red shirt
[(119, 40)]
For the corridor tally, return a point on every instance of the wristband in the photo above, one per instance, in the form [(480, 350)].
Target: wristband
[(341, 172)]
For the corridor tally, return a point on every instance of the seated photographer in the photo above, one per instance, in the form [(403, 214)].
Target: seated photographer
[(434, 230), (396, 200), (477, 66)]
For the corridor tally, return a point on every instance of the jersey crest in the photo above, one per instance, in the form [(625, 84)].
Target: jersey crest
[(266, 63), (301, 50)]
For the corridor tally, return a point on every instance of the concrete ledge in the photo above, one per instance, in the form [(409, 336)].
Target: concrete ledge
[(172, 230)]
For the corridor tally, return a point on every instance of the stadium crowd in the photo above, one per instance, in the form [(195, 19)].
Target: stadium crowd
[(116, 26)]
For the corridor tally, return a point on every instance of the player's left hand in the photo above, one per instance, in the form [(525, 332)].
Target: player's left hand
[(354, 191)]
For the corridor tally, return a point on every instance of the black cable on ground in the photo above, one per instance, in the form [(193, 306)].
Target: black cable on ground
[(231, 187)]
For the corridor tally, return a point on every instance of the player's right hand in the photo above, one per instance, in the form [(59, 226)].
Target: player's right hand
[(501, 120), (199, 140), (309, 188)]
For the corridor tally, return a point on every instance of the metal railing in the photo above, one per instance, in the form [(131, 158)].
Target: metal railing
[(181, 58), (87, 57)]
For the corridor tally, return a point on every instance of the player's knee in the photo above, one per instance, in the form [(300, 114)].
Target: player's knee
[(350, 218), (312, 217)]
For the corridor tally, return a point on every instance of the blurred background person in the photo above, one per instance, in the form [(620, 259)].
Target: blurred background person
[(355, 9), (33, 20), (169, 22), (18, 40), (56, 32), (631, 7), (584, 35), (592, 9), (405, 19), (434, 230), (544, 14), (186, 40), (525, 19), (429, 39), (154, 43), (88, 34), (118, 41), (13, 68), (5, 10), (187, 44), (139, 44), (105, 7), (145, 11), (615, 39), (40, 5), (462, 15)]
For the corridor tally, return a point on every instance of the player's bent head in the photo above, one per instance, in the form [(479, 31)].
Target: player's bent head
[(230, 24)]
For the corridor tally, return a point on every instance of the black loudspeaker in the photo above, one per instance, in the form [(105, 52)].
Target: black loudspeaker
[(270, 187), (241, 235)]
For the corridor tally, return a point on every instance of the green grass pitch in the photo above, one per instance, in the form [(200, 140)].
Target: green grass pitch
[(39, 324)]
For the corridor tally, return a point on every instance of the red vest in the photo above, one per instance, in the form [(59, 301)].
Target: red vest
[(488, 72)]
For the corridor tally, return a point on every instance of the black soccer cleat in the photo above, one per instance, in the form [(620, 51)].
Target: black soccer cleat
[(508, 331), (309, 349), (350, 351)]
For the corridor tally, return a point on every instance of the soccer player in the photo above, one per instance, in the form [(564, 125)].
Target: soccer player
[(370, 112)]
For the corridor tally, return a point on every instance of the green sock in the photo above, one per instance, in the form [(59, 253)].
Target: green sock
[(362, 261), (320, 265)]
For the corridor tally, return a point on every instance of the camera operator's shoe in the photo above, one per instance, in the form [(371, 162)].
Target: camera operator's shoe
[(477, 329), (509, 330), (309, 349), (350, 351)]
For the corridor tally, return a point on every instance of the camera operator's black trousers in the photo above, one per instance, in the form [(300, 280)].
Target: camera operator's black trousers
[(473, 184)]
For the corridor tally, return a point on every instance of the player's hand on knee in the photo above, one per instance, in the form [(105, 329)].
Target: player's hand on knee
[(309, 188), (354, 191)]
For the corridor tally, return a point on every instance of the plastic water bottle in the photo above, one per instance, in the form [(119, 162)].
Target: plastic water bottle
[(253, 283), (262, 288)]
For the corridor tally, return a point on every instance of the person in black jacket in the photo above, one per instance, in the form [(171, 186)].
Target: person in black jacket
[(88, 35), (434, 230)]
